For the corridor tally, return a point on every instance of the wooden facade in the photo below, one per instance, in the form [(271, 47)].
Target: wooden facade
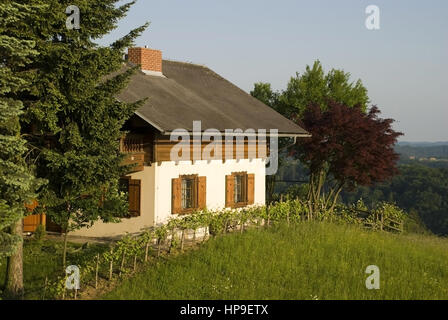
[(145, 149), (31, 222), (247, 149)]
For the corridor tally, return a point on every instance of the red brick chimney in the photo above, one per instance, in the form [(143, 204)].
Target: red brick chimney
[(149, 60)]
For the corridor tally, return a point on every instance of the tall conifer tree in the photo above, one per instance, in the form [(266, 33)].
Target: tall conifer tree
[(17, 183), (72, 115)]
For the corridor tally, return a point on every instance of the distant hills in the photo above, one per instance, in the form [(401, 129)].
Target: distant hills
[(438, 150), (423, 143)]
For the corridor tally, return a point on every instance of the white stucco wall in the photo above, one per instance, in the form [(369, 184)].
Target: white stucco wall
[(131, 225), (156, 192), (215, 171)]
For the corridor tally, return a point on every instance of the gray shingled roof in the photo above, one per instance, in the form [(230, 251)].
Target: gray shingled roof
[(192, 92)]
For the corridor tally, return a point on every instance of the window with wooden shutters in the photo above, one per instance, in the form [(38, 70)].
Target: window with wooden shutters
[(188, 194), (133, 189), (240, 188)]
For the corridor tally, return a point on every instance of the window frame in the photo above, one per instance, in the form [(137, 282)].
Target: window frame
[(195, 190), (244, 190)]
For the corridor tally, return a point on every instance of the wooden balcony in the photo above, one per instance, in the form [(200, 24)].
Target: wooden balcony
[(134, 148)]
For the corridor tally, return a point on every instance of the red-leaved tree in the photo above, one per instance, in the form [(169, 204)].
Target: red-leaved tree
[(348, 148)]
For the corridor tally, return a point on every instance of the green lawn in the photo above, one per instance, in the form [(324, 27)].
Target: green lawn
[(306, 261)]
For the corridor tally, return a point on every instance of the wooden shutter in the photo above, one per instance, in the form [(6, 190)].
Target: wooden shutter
[(202, 192), (176, 196), (230, 199), (250, 188), (134, 197)]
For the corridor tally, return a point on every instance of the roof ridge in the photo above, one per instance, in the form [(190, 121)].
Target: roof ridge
[(187, 62)]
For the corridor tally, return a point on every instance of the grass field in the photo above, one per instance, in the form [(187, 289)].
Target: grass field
[(44, 259), (306, 261)]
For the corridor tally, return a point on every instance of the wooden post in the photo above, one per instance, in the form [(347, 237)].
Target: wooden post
[(281, 198), (269, 215), (76, 293), (111, 267), (45, 288), (287, 217), (182, 239), (97, 270), (382, 222), (135, 262), (122, 263), (146, 251), (159, 246), (172, 240)]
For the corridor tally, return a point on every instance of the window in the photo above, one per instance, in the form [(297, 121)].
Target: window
[(188, 194), (240, 189)]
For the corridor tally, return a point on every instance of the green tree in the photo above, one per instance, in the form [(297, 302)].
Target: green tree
[(312, 88), (263, 92), (73, 118), (315, 87), (17, 183)]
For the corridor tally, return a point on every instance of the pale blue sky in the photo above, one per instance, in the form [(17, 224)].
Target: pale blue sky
[(403, 65)]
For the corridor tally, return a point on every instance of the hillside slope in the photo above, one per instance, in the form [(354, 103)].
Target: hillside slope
[(306, 261)]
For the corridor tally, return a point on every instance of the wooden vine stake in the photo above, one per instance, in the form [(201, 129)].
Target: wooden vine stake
[(45, 288), (146, 251), (97, 270), (182, 240), (111, 266), (204, 237), (269, 215), (172, 241), (159, 246), (123, 258), (135, 262)]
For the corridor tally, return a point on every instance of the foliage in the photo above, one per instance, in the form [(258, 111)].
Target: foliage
[(314, 87), (40, 233), (72, 118), (347, 148), (18, 185), (417, 189)]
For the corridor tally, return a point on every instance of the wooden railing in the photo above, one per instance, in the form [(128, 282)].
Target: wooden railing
[(134, 147), (131, 144)]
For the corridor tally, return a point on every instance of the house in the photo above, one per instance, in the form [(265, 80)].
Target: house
[(198, 142)]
